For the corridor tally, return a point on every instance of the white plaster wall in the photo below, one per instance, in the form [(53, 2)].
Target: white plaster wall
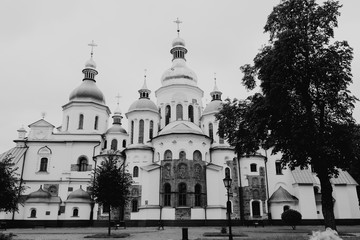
[(345, 205), (168, 213), (150, 187), (216, 192), (179, 94), (90, 111), (307, 205), (197, 213), (216, 212), (149, 213), (84, 211), (147, 116), (181, 142), (220, 156), (41, 209)]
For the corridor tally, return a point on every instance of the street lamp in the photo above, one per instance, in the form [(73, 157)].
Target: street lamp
[(227, 182)]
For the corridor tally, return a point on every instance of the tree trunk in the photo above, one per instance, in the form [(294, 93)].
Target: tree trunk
[(109, 225), (327, 200)]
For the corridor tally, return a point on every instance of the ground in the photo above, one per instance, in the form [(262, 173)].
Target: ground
[(175, 233)]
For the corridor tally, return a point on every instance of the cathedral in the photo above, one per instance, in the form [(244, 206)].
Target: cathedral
[(174, 153)]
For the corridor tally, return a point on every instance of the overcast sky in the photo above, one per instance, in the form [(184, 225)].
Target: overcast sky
[(44, 46)]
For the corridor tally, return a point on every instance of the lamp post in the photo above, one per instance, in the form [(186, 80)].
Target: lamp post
[(227, 182)]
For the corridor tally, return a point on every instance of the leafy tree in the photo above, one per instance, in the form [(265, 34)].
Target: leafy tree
[(10, 189), (291, 217), (304, 109), (111, 185)]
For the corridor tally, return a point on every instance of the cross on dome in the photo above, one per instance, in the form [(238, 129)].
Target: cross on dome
[(118, 98), (178, 25), (92, 45)]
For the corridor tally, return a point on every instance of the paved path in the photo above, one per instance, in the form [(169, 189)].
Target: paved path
[(170, 233)]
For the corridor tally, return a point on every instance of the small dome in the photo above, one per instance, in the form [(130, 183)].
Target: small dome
[(90, 64), (213, 107), (116, 128), (79, 196), (39, 194), (178, 42), (87, 91), (179, 73), (143, 104)]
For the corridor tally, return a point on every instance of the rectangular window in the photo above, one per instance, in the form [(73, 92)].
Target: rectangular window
[(278, 168), (70, 189), (47, 213)]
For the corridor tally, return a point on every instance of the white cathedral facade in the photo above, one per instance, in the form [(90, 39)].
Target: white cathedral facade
[(171, 148)]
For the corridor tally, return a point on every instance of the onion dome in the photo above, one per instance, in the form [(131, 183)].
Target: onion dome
[(88, 91), (116, 127), (39, 194), (178, 42), (79, 196), (216, 103), (179, 73), (144, 102)]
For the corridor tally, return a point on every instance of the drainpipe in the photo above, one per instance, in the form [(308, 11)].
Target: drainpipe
[(21, 177), (267, 187), (92, 204), (241, 199)]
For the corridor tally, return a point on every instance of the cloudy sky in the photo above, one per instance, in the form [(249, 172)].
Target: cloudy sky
[(44, 46)]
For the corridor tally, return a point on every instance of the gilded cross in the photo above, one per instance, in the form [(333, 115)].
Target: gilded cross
[(178, 25), (118, 98), (92, 45)]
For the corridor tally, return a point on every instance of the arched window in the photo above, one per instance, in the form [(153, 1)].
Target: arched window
[(191, 113), (106, 208), (43, 164), (83, 163), (278, 168), (81, 121), (96, 122), (182, 155), (255, 205), (211, 131), (134, 205), (221, 136), (179, 112), (141, 131), (67, 122), (197, 155), (253, 167), (167, 155), (285, 208), (105, 144), (33, 213), (151, 129), (136, 171), (167, 194), (75, 212), (182, 194), (124, 143), (167, 114), (227, 173), (132, 133), (114, 144), (197, 195)]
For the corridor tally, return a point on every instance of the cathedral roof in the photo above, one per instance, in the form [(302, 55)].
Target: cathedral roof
[(281, 195), (143, 104), (179, 73), (181, 127), (40, 193), (42, 196), (213, 107), (79, 196), (116, 128), (87, 91)]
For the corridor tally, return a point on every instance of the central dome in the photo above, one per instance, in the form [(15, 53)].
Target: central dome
[(87, 91), (179, 73)]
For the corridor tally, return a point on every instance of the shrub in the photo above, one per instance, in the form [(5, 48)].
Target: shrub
[(291, 217), (6, 236), (223, 230)]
